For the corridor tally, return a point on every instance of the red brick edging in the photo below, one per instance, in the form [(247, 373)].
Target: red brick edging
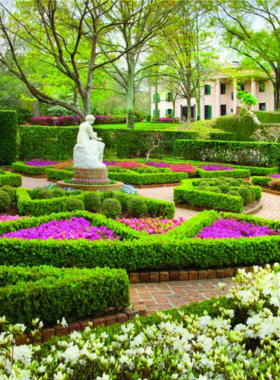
[(184, 275), (59, 331)]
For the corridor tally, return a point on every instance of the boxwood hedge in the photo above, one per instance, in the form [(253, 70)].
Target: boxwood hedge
[(237, 173), (139, 251), (11, 179), (50, 293), (20, 167)]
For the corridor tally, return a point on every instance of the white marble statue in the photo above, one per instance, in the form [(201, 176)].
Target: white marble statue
[(88, 152)]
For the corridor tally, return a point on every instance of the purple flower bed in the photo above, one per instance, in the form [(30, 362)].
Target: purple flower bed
[(212, 168), (40, 162), (232, 228), (275, 175), (69, 229), (158, 164)]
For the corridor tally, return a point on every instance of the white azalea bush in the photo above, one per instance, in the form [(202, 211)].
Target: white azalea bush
[(240, 343)]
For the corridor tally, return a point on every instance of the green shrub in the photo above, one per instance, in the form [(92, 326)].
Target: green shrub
[(58, 192), (133, 178), (73, 204), (243, 153), (237, 173), (92, 202), (224, 189), (245, 194), (214, 189), (5, 201), (137, 207), (203, 183), (262, 181), (253, 193), (107, 194), (8, 137), (234, 193), (71, 293), (11, 179), (123, 200), (234, 183), (58, 174), (20, 167), (9, 190), (42, 193), (243, 127), (224, 136), (111, 207)]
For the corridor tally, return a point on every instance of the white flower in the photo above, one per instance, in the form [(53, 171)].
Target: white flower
[(71, 354), (59, 376), (23, 353), (103, 377)]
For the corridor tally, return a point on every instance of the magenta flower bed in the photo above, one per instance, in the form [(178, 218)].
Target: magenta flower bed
[(6, 218), (69, 229), (39, 162), (166, 120), (275, 175), (212, 168), (158, 164), (124, 164), (153, 226), (232, 228)]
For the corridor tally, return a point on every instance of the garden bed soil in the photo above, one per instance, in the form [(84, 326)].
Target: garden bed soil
[(250, 209)]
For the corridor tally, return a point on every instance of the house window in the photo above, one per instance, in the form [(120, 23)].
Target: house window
[(262, 87), (223, 88), (169, 97), (242, 87), (154, 98), (207, 89), (223, 109), (262, 106), (208, 112), (232, 96), (169, 112)]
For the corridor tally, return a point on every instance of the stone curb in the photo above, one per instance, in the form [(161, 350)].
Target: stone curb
[(184, 275), (59, 331)]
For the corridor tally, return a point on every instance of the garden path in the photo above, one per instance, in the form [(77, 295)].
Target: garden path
[(159, 296)]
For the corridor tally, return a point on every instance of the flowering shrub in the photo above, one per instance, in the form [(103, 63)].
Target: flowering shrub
[(275, 175), (188, 348), (153, 226), (55, 121), (6, 218), (161, 164), (64, 164), (186, 168), (232, 228), (275, 184), (166, 120), (125, 164), (40, 162), (215, 167), (70, 229), (128, 189)]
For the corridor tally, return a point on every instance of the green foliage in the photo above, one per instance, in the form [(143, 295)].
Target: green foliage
[(137, 207), (20, 167), (111, 207), (92, 202), (5, 201), (59, 174), (261, 181), (226, 197), (247, 98), (107, 194), (237, 173), (11, 179), (8, 137), (268, 117), (40, 193), (58, 192), (73, 204), (50, 293), (243, 127), (134, 178), (9, 190), (224, 136), (242, 153), (136, 251)]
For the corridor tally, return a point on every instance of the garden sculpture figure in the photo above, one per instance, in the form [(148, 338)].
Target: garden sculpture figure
[(88, 152)]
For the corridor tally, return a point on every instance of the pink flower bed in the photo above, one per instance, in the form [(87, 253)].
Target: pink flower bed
[(125, 164), (69, 229), (153, 226), (232, 228), (39, 162), (212, 168), (6, 218), (275, 175)]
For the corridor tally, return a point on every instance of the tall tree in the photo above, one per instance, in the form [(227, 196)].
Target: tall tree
[(147, 18), (64, 34), (236, 19)]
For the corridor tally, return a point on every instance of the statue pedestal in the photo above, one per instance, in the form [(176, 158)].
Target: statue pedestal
[(98, 175)]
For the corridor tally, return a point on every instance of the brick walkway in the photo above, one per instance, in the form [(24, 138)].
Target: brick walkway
[(175, 294)]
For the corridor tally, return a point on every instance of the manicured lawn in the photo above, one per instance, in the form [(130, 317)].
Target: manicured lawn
[(139, 126)]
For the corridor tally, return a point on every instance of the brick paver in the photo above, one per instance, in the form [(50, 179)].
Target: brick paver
[(161, 296)]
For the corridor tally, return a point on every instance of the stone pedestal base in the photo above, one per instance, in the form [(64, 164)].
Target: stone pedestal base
[(98, 175), (95, 187)]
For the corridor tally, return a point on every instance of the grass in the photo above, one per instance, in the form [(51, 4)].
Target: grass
[(140, 126)]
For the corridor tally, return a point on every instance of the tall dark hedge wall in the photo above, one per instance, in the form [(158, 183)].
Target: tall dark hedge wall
[(8, 137)]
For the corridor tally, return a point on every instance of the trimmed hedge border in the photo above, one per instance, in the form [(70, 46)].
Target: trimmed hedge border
[(11, 179), (187, 193), (237, 173), (265, 154), (177, 249), (20, 167), (51, 293)]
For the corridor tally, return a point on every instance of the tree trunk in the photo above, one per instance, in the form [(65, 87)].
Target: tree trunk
[(189, 107), (276, 85), (36, 110), (130, 92), (198, 102), (156, 100)]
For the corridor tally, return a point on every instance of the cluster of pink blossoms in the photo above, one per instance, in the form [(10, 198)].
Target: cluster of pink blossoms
[(7, 218), (153, 226)]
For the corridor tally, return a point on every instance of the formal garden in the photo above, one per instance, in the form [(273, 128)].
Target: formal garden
[(139, 190)]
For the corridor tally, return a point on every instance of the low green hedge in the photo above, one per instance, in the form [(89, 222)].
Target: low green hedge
[(188, 193), (58, 174), (20, 167), (38, 207), (224, 136), (134, 178), (261, 181), (51, 293), (237, 173), (243, 153), (10, 179), (139, 251)]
